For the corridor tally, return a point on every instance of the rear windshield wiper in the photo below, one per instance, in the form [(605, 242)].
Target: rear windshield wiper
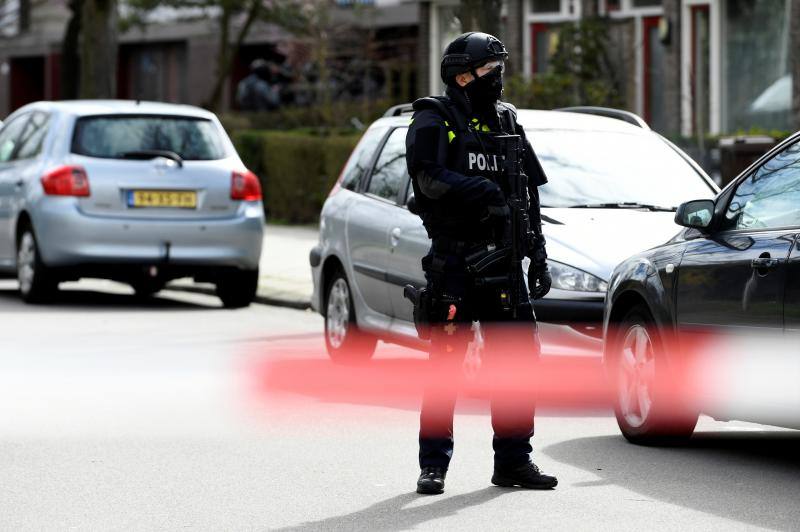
[(152, 154), (624, 205)]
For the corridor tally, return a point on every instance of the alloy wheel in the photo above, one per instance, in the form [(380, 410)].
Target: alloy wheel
[(338, 313), (26, 262), (636, 376)]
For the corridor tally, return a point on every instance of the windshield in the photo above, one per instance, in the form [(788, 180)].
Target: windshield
[(600, 167), (115, 136)]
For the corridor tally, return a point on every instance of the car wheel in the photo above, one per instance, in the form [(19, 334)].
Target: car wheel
[(36, 282), (345, 342), (647, 405), (238, 289)]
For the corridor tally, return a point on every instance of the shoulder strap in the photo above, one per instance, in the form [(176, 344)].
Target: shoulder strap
[(443, 106)]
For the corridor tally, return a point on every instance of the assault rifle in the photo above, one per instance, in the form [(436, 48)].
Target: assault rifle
[(514, 244)]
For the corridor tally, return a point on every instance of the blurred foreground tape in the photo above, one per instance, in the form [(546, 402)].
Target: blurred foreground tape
[(751, 377)]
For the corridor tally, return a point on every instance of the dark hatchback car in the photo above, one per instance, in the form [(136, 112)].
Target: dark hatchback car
[(735, 268)]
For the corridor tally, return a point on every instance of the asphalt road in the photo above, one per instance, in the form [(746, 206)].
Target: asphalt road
[(125, 415)]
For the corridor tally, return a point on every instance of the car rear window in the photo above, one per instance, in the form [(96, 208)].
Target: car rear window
[(111, 137)]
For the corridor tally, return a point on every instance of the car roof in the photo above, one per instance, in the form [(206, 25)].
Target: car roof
[(540, 120), (106, 107)]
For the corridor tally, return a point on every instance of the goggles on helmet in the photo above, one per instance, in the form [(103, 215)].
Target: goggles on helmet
[(492, 64)]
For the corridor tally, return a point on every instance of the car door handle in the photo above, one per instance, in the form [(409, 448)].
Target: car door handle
[(394, 237), (764, 263), (19, 183)]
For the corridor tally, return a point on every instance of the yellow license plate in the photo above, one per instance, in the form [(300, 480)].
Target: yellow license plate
[(175, 199)]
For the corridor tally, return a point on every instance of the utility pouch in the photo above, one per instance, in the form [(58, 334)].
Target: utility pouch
[(489, 283)]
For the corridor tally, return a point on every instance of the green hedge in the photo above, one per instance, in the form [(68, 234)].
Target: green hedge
[(297, 169)]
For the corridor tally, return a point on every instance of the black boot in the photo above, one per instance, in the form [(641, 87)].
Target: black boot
[(526, 475), (431, 480)]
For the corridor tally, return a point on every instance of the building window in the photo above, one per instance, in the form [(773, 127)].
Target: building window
[(756, 80), (654, 67), (544, 42), (646, 3), (152, 72), (11, 15), (546, 6)]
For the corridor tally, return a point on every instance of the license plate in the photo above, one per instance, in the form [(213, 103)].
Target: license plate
[(175, 199)]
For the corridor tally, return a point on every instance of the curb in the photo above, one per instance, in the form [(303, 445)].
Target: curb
[(260, 299)]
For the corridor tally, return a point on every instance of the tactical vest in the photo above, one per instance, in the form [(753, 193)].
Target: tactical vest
[(473, 150)]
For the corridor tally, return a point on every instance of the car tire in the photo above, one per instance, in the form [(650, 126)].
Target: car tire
[(649, 408), (346, 343), (238, 289), (37, 284)]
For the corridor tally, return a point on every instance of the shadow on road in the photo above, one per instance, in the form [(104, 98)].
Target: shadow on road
[(750, 477), (93, 301), (392, 514)]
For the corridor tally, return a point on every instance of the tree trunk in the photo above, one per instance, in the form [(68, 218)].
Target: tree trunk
[(70, 57), (98, 49), (324, 97), (480, 15), (228, 51), (589, 8)]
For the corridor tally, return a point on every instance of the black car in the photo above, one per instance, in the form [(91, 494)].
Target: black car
[(735, 267)]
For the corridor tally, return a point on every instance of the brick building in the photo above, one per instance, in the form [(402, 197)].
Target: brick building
[(172, 59), (711, 66), (687, 66)]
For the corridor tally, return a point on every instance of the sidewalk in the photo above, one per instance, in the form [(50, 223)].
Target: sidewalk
[(285, 271)]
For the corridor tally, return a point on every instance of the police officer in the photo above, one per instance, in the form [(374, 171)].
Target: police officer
[(456, 161)]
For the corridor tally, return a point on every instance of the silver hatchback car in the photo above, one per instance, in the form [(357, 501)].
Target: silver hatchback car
[(614, 185), (137, 192)]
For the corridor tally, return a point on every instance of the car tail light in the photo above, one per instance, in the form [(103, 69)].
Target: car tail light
[(66, 181), (245, 186)]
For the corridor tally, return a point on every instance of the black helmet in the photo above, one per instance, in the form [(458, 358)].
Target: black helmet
[(469, 51)]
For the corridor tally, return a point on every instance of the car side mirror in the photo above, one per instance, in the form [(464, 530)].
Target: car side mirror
[(696, 214), (411, 203)]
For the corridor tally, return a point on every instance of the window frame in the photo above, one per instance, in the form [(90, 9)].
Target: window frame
[(26, 115), (563, 7), (359, 185), (725, 198), (748, 175), (365, 185), (40, 149)]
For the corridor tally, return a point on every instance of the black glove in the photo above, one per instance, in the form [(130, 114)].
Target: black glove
[(498, 215), (500, 219), (539, 280)]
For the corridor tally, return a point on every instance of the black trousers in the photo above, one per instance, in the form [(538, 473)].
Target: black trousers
[(504, 336)]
